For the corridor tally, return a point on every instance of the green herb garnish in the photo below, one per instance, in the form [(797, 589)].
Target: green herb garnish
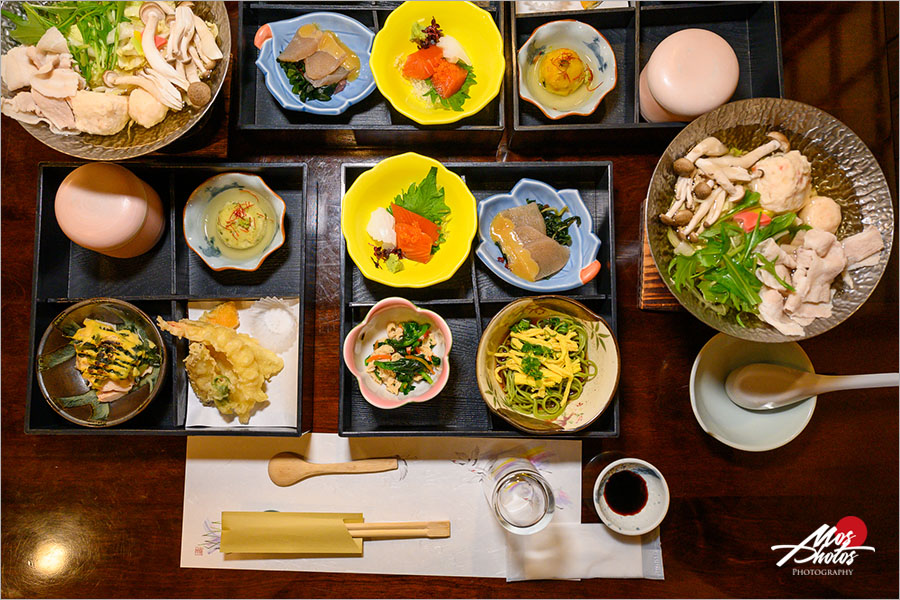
[(531, 366), (456, 101), (522, 325), (425, 199)]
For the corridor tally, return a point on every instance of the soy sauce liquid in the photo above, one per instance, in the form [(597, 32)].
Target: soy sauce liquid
[(625, 492)]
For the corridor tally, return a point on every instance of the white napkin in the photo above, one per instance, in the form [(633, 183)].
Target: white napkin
[(281, 410), (583, 551)]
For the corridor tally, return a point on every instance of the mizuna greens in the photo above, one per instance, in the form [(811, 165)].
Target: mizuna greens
[(722, 271)]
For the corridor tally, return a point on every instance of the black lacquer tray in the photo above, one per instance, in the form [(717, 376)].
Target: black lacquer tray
[(371, 122), (468, 301), (752, 29), (162, 282)]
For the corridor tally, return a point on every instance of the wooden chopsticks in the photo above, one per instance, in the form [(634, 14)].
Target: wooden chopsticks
[(412, 529)]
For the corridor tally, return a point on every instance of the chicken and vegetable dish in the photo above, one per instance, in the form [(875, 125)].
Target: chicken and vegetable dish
[(751, 235)]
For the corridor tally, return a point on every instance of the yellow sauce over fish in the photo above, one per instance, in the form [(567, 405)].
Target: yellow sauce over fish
[(519, 259)]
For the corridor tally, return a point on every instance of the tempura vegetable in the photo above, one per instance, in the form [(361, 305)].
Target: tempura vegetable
[(227, 369)]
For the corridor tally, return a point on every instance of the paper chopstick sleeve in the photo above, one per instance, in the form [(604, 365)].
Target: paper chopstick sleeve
[(289, 533)]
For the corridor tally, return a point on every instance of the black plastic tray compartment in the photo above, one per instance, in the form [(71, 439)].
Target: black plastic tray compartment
[(162, 282), (752, 29), (467, 302), (371, 122)]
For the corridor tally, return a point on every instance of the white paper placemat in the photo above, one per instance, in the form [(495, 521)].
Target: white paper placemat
[(281, 410), (439, 478)]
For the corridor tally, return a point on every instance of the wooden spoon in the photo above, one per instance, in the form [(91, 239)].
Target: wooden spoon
[(287, 468)]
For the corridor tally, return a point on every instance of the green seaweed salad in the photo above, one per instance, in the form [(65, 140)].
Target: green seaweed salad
[(721, 268)]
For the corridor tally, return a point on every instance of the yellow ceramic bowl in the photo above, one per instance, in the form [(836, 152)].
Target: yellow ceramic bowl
[(378, 187), (473, 27)]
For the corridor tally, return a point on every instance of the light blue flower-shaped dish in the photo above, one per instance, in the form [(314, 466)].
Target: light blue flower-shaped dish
[(273, 38), (591, 47), (583, 265), (195, 214)]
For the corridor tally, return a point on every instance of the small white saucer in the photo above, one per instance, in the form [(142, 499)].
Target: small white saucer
[(753, 431), (650, 515)]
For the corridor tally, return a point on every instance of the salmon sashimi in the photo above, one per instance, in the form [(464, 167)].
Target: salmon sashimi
[(422, 63), (415, 243), (402, 215), (448, 78)]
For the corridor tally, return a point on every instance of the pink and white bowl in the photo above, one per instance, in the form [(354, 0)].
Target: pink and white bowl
[(359, 344)]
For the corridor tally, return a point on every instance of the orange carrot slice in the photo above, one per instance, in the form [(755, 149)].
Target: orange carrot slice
[(422, 63), (402, 215), (415, 243), (448, 78)]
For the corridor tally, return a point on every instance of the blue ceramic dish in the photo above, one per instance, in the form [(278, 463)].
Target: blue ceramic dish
[(273, 38), (583, 265)]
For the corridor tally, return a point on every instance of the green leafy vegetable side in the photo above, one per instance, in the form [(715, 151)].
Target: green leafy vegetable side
[(557, 227), (301, 86), (412, 331), (456, 101)]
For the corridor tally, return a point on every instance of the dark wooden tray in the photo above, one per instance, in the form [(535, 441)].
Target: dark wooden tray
[(371, 122), (467, 302), (752, 29), (162, 282)]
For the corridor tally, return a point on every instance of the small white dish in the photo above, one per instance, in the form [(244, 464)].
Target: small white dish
[(591, 47), (653, 510), (753, 431), (195, 214)]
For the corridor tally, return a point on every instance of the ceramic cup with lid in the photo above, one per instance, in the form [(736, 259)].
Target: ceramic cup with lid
[(106, 208), (690, 73)]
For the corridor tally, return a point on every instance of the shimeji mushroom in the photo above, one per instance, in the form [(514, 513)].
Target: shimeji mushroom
[(682, 194), (199, 93), (777, 142), (702, 210), (718, 199), (165, 97), (723, 175), (710, 146), (170, 92), (151, 13), (207, 45)]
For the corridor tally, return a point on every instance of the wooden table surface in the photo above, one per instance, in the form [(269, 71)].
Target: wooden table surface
[(99, 516)]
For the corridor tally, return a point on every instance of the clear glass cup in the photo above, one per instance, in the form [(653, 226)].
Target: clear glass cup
[(519, 496)]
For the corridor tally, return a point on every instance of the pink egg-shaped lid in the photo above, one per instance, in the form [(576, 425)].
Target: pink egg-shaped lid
[(650, 108), (692, 72), (101, 206)]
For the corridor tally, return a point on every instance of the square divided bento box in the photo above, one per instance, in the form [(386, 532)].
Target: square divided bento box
[(467, 302), (162, 282)]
